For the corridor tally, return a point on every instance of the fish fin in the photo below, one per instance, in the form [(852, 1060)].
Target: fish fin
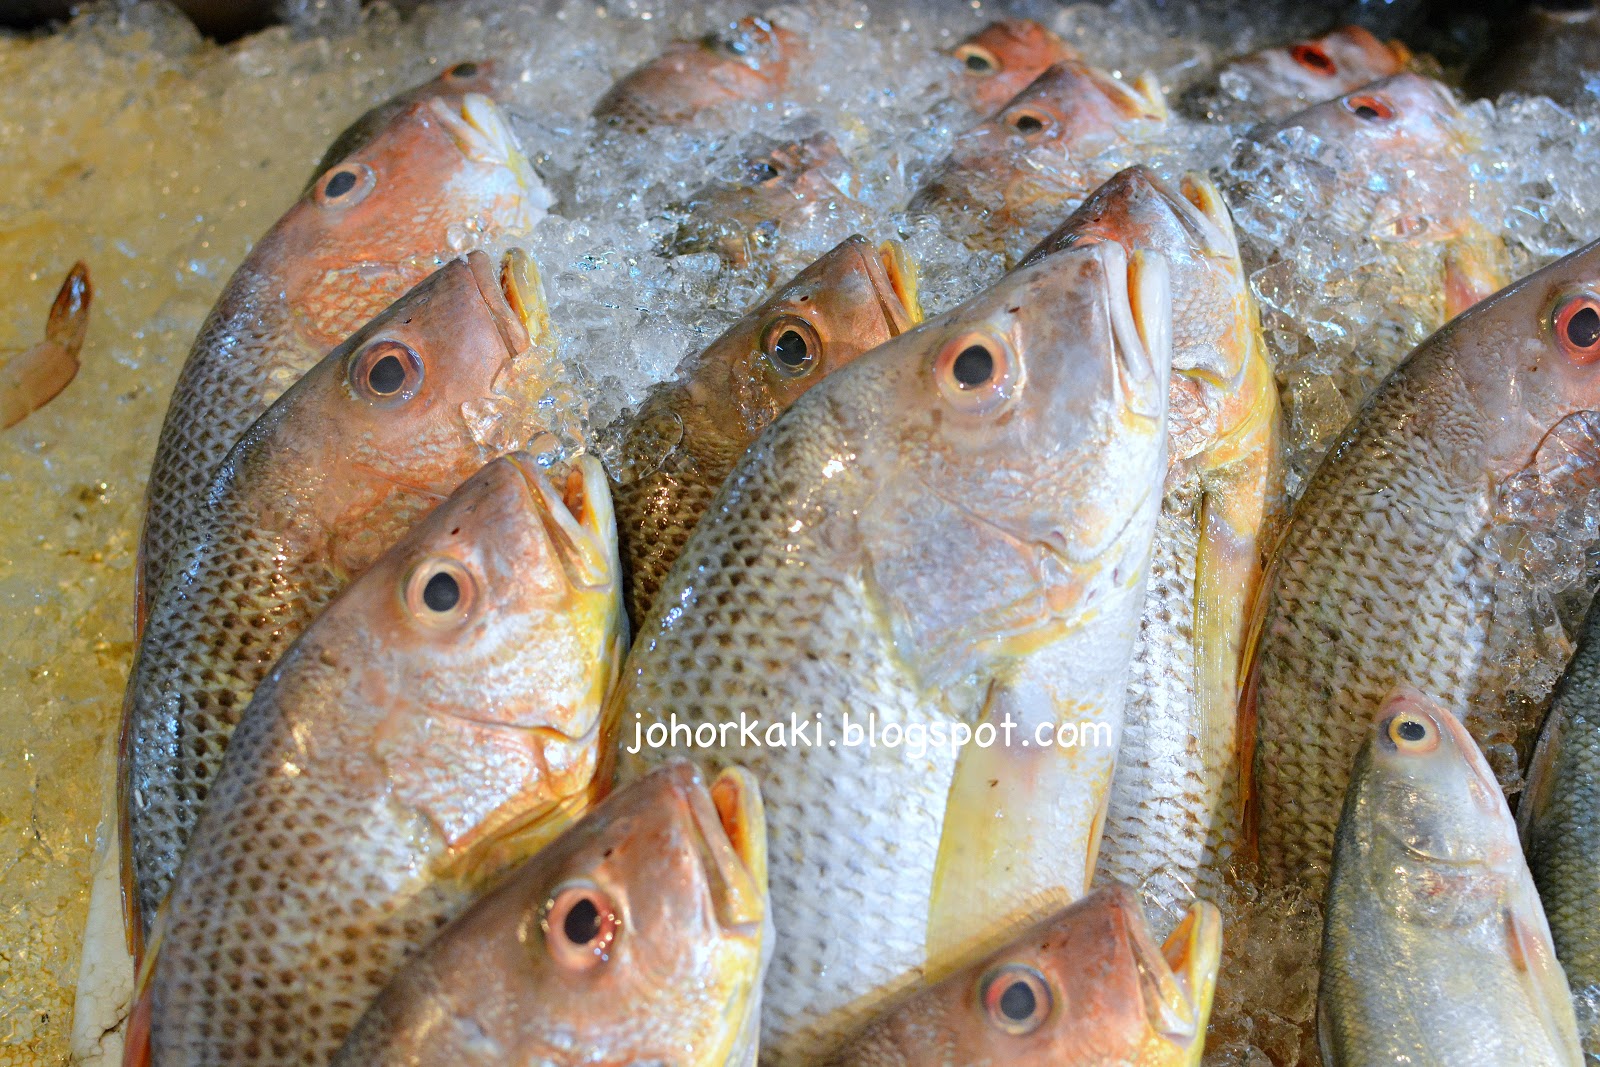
[(136, 1037), (37, 376), (132, 913), (1474, 267), (1540, 788), (68, 323), (1324, 1034), (1249, 715), (1532, 953)]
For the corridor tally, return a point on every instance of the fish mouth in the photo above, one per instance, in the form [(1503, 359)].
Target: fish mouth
[(1177, 981), (894, 278), (514, 295), (578, 521), (732, 827), (1140, 303), (480, 131), (1203, 208)]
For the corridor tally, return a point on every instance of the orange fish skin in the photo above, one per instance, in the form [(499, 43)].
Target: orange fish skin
[(999, 61)]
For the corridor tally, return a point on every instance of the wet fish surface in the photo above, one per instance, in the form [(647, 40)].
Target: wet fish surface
[(1001, 59), (1284, 79), (639, 936), (1435, 948)]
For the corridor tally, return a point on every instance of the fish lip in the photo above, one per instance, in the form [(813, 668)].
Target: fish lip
[(730, 822), (505, 292), (893, 275), (579, 520), (1175, 978), (1139, 301), (480, 132)]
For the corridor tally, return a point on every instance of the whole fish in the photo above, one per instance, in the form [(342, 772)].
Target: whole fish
[(413, 184), (793, 187), (749, 61), (32, 378), (1553, 50), (915, 531), (1008, 180), (686, 436), (1173, 818), (999, 61), (367, 442), (1281, 80), (1088, 987), (1435, 949), (639, 936), (1557, 813), (437, 722), (1386, 572)]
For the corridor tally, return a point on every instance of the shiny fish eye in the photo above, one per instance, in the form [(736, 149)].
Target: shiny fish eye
[(1412, 733), (439, 592), (1577, 326), (464, 70), (345, 185), (386, 372), (1016, 999), (1369, 108), (977, 373), (1313, 58), (580, 925), (1027, 121), (791, 346), (977, 59)]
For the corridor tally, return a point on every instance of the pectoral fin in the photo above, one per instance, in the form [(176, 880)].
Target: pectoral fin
[(1474, 267)]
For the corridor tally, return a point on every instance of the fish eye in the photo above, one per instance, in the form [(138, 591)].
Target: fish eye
[(464, 70), (791, 345), (439, 592), (977, 373), (977, 59), (386, 372), (345, 185), (1577, 326), (1027, 121), (580, 925), (1314, 58), (1369, 108), (1016, 999), (762, 171), (1412, 733)]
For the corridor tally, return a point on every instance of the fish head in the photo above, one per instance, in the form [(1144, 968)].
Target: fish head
[(639, 935), (1322, 67), (749, 60), (467, 76), (852, 299), (1027, 431), (1215, 341), (442, 174), (1438, 820), (1001, 59)]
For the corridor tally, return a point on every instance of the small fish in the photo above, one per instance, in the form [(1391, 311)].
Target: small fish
[(1552, 51), (1009, 180), (787, 189), (749, 61), (679, 446), (1088, 987), (365, 444), (371, 226), (1173, 817), (640, 936), (1557, 813), (436, 724), (1435, 948), (31, 379), (1001, 59), (1279, 81), (913, 533), (1387, 571)]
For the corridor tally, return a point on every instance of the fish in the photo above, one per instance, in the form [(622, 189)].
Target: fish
[(684, 439), (1386, 571), (32, 378), (1172, 822), (1278, 81), (907, 537), (639, 936), (367, 442), (437, 724), (998, 61), (1398, 173), (379, 220), (1552, 50), (1087, 987), (1435, 948), (1556, 813), (748, 61), (794, 187), (1008, 180)]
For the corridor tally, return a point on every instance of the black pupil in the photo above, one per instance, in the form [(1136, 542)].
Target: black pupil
[(973, 367), (1413, 731), (790, 349), (1318, 60), (582, 924), (387, 376), (763, 172), (1368, 112), (1017, 1003), (340, 183), (978, 63), (465, 70), (1583, 328), (1028, 124), (441, 593)]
